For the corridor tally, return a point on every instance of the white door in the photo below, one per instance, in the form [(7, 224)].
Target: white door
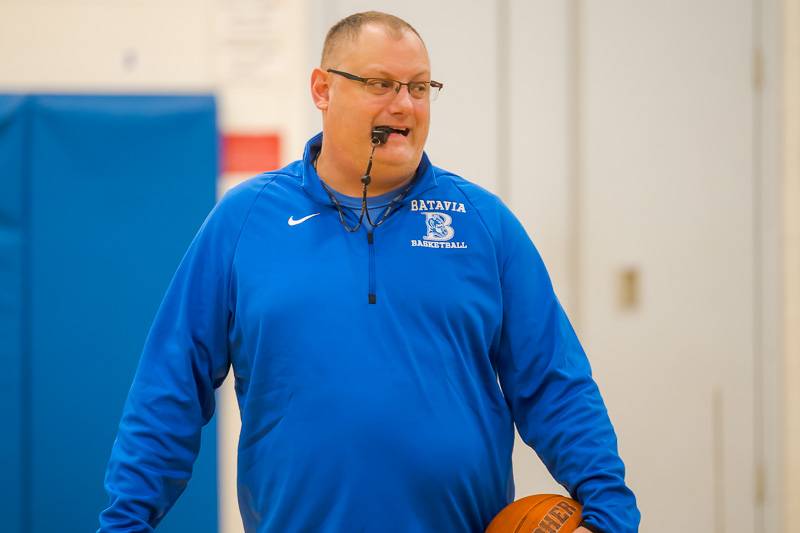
[(658, 184)]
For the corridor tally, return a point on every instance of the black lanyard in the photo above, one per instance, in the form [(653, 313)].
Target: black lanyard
[(365, 180)]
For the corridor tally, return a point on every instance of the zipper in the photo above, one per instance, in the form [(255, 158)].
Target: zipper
[(371, 296)]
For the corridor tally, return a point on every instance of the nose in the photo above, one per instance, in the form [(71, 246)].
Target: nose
[(402, 102)]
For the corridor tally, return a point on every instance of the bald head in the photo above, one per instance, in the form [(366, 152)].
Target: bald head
[(346, 32)]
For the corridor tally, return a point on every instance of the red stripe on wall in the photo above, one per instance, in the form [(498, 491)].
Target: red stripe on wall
[(250, 153)]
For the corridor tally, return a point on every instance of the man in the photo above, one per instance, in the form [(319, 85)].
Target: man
[(366, 343)]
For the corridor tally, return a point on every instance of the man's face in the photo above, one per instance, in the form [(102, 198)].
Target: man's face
[(352, 112)]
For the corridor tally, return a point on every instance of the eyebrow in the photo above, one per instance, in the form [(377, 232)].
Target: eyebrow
[(385, 74)]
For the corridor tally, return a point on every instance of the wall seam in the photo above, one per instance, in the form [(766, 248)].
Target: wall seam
[(26, 377), (575, 200), (758, 252), (502, 123), (791, 263)]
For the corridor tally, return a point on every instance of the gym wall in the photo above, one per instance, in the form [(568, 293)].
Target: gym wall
[(640, 144)]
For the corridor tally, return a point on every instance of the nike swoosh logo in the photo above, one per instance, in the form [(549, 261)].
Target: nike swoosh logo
[(293, 222)]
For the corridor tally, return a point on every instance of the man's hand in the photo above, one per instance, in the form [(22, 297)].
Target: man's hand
[(582, 530)]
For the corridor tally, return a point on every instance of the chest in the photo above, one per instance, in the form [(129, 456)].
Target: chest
[(312, 299), (438, 261)]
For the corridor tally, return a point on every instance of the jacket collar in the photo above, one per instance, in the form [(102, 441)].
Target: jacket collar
[(424, 179)]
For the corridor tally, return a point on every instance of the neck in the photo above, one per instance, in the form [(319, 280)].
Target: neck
[(346, 178)]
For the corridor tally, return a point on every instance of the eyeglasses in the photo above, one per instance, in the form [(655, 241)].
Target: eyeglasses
[(381, 87)]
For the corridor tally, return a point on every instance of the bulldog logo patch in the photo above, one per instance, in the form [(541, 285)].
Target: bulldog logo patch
[(439, 230), (438, 225)]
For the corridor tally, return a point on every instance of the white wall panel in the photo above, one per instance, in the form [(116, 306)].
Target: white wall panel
[(539, 182), (768, 404), (540, 81), (791, 264), (259, 69), (90, 45), (667, 172)]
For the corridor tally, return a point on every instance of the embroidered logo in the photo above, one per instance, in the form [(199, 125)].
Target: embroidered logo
[(438, 225), (439, 230), (437, 205), (293, 222)]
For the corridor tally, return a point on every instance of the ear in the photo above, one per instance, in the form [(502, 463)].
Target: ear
[(320, 89)]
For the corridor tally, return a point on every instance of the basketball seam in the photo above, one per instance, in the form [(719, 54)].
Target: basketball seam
[(524, 518)]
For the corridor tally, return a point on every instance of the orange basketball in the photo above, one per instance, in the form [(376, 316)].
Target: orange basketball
[(541, 513)]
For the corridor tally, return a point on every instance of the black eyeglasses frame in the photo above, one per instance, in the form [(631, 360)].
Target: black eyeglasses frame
[(397, 84)]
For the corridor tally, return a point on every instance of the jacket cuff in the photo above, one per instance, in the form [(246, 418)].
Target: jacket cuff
[(590, 527)]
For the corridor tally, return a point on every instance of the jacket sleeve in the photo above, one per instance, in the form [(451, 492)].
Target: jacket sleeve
[(185, 358), (547, 381)]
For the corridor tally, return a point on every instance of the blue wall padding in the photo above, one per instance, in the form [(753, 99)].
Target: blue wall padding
[(12, 226), (118, 186)]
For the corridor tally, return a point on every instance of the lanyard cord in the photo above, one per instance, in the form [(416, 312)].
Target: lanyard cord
[(365, 180)]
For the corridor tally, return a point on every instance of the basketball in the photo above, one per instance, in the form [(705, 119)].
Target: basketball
[(540, 513)]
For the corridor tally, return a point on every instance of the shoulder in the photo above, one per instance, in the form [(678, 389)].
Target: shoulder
[(511, 240), (249, 190), (238, 200), (230, 214), (494, 213)]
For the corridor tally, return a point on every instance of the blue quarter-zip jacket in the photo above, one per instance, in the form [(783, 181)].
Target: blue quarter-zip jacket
[(366, 367)]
